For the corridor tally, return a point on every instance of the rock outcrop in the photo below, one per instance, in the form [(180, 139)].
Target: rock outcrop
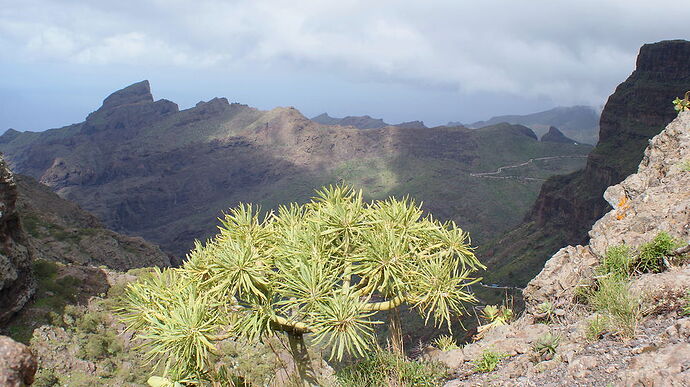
[(555, 135), (653, 200), (569, 205), (17, 364), (16, 280)]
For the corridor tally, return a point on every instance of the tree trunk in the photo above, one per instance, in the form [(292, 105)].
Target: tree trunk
[(396, 337), (303, 368)]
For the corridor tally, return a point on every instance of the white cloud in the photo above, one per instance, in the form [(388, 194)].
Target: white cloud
[(569, 51)]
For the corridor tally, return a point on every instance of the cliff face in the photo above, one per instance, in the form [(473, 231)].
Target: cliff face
[(61, 231), (653, 200), (16, 280), (568, 205)]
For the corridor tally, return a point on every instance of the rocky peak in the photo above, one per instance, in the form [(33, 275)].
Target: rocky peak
[(555, 135), (139, 92)]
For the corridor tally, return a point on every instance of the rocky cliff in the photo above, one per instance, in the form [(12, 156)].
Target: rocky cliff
[(61, 231), (16, 279), (656, 351), (568, 205)]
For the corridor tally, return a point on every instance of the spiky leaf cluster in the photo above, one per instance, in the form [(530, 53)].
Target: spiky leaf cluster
[(325, 268)]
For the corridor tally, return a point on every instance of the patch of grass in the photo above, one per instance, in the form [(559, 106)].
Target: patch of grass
[(445, 343), (650, 258), (617, 261), (383, 369), (685, 166), (32, 225), (595, 328), (685, 309), (619, 305), (488, 361)]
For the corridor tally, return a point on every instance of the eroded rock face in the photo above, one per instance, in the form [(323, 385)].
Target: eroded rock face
[(17, 364), (16, 279), (654, 199)]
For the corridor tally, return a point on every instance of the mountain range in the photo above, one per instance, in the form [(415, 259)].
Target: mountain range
[(581, 123), (148, 169)]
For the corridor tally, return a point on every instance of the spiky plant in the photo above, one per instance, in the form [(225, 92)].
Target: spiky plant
[(445, 343), (494, 316), (325, 268)]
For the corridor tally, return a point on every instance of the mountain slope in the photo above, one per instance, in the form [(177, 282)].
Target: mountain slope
[(580, 123), (568, 205), (145, 168)]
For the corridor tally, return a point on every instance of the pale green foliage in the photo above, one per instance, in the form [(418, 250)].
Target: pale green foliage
[(545, 347), (494, 316), (488, 361), (445, 343), (620, 307), (682, 104), (315, 268), (546, 311)]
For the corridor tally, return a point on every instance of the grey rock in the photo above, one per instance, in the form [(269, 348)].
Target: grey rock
[(17, 364)]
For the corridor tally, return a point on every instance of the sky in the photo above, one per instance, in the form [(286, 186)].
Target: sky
[(434, 60)]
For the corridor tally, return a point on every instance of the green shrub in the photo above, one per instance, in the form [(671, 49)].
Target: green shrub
[(650, 258), (445, 343), (488, 361), (383, 369), (619, 305), (45, 378), (617, 261), (100, 346)]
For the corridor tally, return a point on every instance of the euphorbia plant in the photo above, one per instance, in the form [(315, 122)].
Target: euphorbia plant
[(326, 268)]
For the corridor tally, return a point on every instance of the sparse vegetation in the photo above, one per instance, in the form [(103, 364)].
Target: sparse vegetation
[(682, 104), (445, 343), (383, 369), (596, 327), (488, 361), (546, 311), (493, 316), (620, 307), (685, 309), (617, 261), (545, 347), (652, 254)]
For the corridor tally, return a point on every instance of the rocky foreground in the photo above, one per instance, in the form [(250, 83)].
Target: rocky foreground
[(655, 199)]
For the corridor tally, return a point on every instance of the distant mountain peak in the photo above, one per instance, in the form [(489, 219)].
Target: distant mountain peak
[(555, 135), (135, 93)]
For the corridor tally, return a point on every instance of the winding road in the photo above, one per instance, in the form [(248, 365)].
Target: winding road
[(490, 175)]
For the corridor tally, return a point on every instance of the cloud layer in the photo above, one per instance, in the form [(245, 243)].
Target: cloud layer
[(565, 51)]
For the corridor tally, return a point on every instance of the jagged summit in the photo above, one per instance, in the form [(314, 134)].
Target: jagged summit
[(555, 135), (139, 92)]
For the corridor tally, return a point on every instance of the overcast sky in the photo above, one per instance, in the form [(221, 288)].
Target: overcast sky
[(435, 61)]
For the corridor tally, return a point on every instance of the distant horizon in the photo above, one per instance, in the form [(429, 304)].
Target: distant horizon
[(309, 116)]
